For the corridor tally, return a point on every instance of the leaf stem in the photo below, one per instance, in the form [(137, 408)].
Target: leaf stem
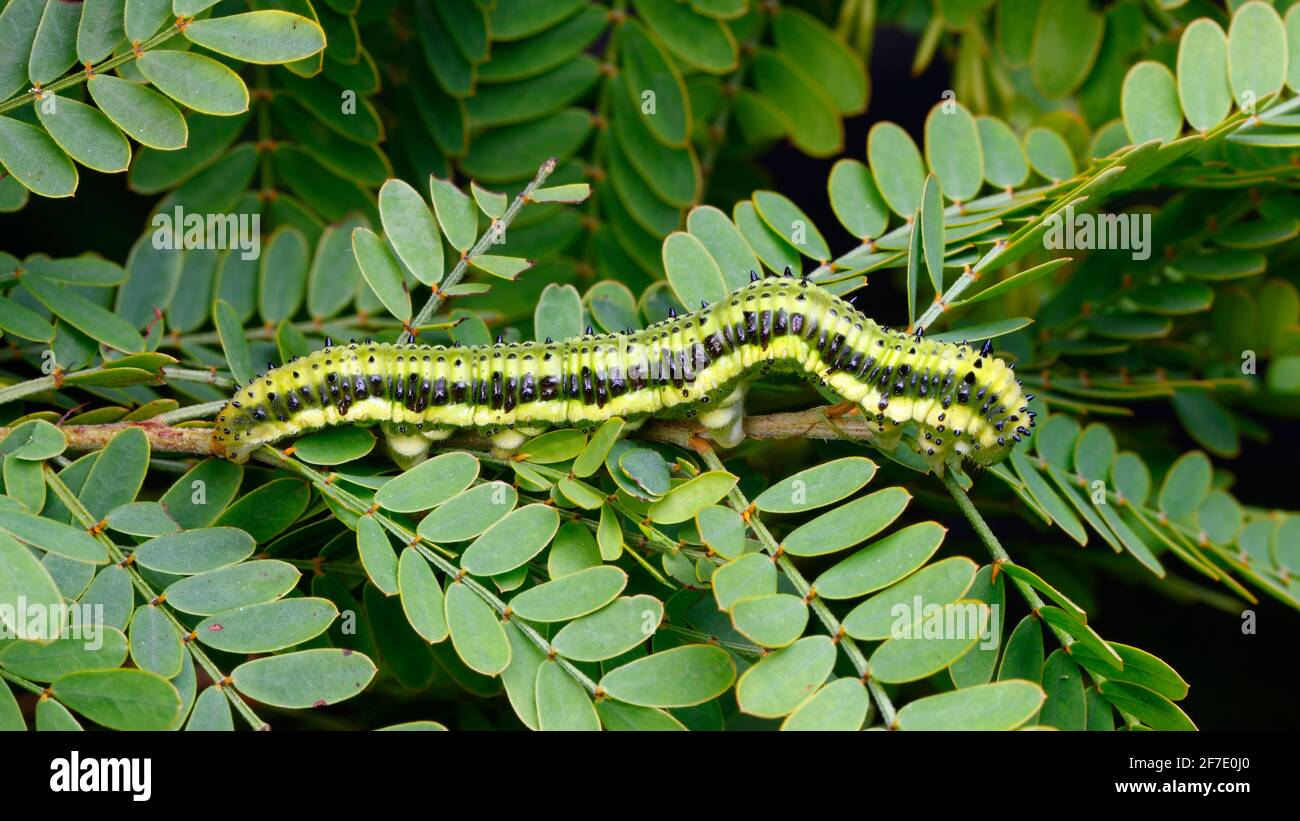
[(81, 76), (997, 551), (484, 242), (84, 517), (274, 456), (828, 619)]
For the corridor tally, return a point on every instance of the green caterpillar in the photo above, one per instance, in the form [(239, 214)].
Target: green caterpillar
[(964, 402)]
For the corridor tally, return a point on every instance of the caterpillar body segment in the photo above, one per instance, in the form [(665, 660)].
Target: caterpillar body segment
[(963, 402)]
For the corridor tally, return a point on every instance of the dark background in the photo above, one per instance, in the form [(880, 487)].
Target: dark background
[(1237, 681)]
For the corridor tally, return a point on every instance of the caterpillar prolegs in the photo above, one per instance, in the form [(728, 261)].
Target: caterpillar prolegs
[(964, 402)]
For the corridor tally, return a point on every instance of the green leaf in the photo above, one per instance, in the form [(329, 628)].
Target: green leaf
[(562, 703), (896, 167), (952, 150), (722, 530), (1049, 154), (54, 49), (265, 628), (1005, 164), (1184, 488), (932, 641), (211, 712), (520, 677), (1203, 89), (1257, 53), (19, 22), (701, 42), (283, 278), (33, 440), (84, 133), (615, 715), (931, 228), (724, 243), (611, 631), (694, 275), (771, 621), (512, 541), (429, 483), (51, 715), (558, 314), (410, 227), (34, 160), (145, 115), (111, 589), (647, 68), (84, 315), (470, 513), (1022, 658), (1150, 103), (120, 699), (456, 214), (231, 332), (841, 705), (680, 677), (692, 496), (501, 266), (195, 81), (597, 449), (849, 524), (785, 218), (1152, 709), (53, 537), (23, 579), (19, 320), (1047, 498), (881, 563), (155, 644), (258, 36), (753, 574), (241, 585), (1140, 668), (307, 678), (143, 18), (769, 246), (1208, 422), (783, 680), (808, 112), (46, 661), (1065, 46), (1066, 704), (837, 68), (855, 199), (570, 596), (476, 632), (195, 551), (334, 446), (1002, 706), (940, 583)]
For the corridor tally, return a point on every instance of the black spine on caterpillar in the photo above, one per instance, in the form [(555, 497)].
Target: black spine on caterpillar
[(964, 400)]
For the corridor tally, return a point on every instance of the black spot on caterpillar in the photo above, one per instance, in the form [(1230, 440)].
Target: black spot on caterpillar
[(964, 402)]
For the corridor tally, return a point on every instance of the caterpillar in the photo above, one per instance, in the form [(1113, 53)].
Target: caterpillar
[(964, 403)]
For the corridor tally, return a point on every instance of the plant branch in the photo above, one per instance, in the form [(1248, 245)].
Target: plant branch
[(832, 624), (84, 517), (484, 242), (81, 76), (997, 551)]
